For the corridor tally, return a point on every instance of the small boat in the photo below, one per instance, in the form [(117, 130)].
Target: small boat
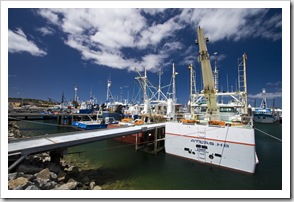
[(263, 114), (100, 123)]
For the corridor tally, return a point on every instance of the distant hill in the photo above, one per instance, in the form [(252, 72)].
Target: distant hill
[(30, 101)]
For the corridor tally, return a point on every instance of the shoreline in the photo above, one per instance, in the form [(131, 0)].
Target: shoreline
[(37, 172), (40, 172)]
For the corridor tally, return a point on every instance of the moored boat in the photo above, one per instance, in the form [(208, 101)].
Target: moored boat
[(226, 142), (263, 114)]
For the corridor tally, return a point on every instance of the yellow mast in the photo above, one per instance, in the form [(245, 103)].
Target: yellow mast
[(209, 91)]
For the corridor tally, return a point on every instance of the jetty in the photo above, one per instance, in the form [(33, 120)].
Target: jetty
[(57, 144)]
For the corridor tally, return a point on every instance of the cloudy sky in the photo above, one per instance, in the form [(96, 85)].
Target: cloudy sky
[(52, 50)]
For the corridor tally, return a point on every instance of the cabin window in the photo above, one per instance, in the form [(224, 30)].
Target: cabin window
[(227, 109)]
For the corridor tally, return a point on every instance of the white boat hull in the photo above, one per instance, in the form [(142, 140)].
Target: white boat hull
[(230, 147)]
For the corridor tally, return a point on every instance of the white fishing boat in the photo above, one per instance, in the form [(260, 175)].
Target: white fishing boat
[(226, 142), (264, 114)]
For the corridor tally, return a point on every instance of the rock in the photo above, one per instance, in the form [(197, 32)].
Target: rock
[(53, 167), (28, 176), (45, 184), (68, 186), (84, 179), (50, 185), (43, 174), (53, 176), (41, 182), (29, 169), (92, 185), (47, 158), (12, 176), (61, 176), (18, 183), (72, 169), (32, 187), (71, 180), (97, 188)]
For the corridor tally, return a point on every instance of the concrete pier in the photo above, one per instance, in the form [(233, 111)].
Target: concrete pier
[(60, 142)]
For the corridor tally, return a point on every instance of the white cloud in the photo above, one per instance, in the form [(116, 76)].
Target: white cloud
[(105, 36), (277, 84), (46, 31), (268, 95), (233, 24), (49, 15), (153, 11), (101, 35), (18, 42)]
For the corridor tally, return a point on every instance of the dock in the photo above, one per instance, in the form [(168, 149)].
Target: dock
[(60, 142)]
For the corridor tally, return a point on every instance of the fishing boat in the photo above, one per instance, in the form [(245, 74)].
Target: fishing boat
[(100, 122), (228, 143), (264, 114)]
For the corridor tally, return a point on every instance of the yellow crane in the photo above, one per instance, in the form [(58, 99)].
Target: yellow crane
[(209, 90)]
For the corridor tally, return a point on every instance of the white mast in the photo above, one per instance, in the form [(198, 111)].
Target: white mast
[(159, 84), (108, 90), (263, 104), (171, 109), (174, 84), (76, 93)]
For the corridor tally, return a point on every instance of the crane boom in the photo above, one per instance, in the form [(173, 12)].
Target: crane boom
[(209, 91)]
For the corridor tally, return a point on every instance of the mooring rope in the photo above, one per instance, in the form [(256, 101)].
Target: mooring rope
[(268, 134)]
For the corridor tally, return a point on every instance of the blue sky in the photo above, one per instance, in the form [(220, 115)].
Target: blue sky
[(52, 50)]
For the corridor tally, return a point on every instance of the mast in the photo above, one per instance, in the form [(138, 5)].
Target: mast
[(108, 90), (76, 93), (143, 83), (245, 84), (215, 73), (174, 84), (263, 104), (209, 90), (171, 108), (159, 84), (193, 89)]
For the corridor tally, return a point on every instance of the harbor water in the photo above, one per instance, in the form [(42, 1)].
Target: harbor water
[(117, 165)]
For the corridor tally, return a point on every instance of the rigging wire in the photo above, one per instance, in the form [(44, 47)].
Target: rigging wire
[(268, 134)]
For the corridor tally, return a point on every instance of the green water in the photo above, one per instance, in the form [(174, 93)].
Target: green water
[(116, 165)]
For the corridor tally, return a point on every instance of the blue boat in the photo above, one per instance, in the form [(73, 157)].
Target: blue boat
[(95, 124)]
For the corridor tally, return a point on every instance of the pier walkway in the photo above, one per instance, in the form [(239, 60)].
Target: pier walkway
[(63, 141)]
